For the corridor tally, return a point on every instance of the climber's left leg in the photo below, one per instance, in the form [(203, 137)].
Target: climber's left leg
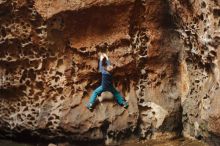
[(93, 97)]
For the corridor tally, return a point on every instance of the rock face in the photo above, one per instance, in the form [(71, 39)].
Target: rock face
[(201, 33), (165, 55)]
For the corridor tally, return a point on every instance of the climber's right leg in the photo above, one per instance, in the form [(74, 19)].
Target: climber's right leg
[(119, 98), (93, 97)]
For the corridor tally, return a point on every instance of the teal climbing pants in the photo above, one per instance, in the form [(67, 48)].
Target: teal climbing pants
[(100, 89)]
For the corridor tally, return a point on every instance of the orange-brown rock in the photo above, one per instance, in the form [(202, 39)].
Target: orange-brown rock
[(166, 66)]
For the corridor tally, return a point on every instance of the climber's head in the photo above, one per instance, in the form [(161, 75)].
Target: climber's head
[(104, 62), (109, 68)]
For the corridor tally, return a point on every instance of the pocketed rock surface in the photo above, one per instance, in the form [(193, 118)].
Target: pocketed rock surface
[(165, 54)]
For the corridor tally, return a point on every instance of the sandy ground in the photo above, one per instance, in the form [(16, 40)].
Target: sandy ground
[(174, 142)]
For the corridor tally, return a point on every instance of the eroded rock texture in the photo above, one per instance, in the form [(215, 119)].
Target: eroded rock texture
[(164, 53), (200, 29)]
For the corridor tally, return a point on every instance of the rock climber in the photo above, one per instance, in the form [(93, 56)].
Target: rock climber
[(106, 85)]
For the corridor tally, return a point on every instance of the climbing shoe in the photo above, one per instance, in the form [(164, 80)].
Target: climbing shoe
[(89, 106), (125, 104)]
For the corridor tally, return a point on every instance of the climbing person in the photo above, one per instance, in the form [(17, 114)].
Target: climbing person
[(106, 85)]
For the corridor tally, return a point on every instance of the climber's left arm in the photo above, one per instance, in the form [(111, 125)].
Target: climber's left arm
[(100, 63)]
